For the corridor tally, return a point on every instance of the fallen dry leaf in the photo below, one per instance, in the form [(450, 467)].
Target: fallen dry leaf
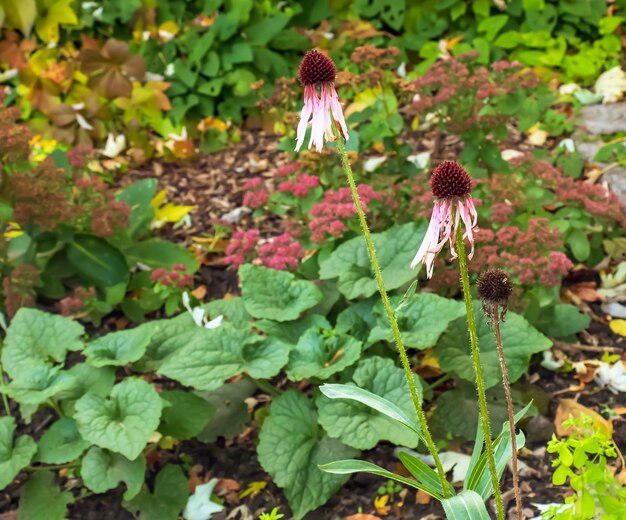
[(423, 498), (363, 516), (569, 407), (381, 505)]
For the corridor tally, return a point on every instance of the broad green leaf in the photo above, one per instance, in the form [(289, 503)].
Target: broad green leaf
[(228, 350), (562, 321), (362, 426), (186, 416), (168, 337), (169, 497), (291, 331), (156, 252), (97, 261), (519, 339), (350, 262), (35, 337), (87, 379), (422, 319), (358, 319), (103, 470), (457, 409), (231, 413), (41, 498), (321, 354), (61, 443), (14, 456), (276, 295), (233, 309), (138, 196), (124, 421), (119, 348), (34, 385), (290, 449), (467, 505)]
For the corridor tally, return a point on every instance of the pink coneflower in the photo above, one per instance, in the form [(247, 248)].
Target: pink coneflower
[(321, 106), (451, 185)]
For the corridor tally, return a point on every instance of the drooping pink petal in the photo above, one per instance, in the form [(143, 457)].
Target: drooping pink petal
[(467, 211), (310, 95), (337, 111), (437, 234), (317, 125)]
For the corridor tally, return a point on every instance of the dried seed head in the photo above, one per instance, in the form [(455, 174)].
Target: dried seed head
[(494, 287), (316, 68), (450, 179)]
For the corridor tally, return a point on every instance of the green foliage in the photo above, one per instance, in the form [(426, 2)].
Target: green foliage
[(581, 460), (291, 448), (102, 470), (351, 264), (520, 338), (14, 455), (168, 499), (41, 498), (360, 426)]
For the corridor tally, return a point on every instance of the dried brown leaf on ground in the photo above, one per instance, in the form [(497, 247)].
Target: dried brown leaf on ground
[(571, 407)]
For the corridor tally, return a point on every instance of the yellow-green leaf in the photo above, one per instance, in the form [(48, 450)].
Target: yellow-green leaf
[(52, 14), (618, 326), (19, 14)]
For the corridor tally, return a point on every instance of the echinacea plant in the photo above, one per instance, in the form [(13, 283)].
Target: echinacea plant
[(494, 290), (451, 186)]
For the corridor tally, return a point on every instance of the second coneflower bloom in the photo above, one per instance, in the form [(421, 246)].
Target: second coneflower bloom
[(451, 186), (317, 74)]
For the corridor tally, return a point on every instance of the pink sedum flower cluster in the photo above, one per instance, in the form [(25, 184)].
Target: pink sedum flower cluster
[(337, 206), (301, 186), (280, 252)]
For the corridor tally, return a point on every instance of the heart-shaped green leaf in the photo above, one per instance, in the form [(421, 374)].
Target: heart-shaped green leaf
[(227, 351), (362, 427), (61, 443), (290, 449), (321, 354), (14, 456), (119, 348), (519, 339), (422, 319), (124, 421), (36, 337), (350, 262), (102, 470), (276, 295)]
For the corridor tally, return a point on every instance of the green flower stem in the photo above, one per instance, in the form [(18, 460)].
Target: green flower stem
[(480, 384), (5, 399), (264, 386), (392, 317), (509, 407)]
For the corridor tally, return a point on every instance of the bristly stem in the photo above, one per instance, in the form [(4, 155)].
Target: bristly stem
[(509, 406), (480, 384), (391, 315)]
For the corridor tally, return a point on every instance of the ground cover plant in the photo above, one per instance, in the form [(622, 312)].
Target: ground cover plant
[(241, 355)]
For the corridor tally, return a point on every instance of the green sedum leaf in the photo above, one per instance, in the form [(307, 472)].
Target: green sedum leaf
[(276, 295), (422, 319), (102, 470), (124, 421), (350, 262), (61, 443), (42, 499), (169, 497), (519, 339), (290, 449), (36, 337), (119, 348), (186, 414), (227, 351), (362, 427), (14, 456), (321, 354)]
